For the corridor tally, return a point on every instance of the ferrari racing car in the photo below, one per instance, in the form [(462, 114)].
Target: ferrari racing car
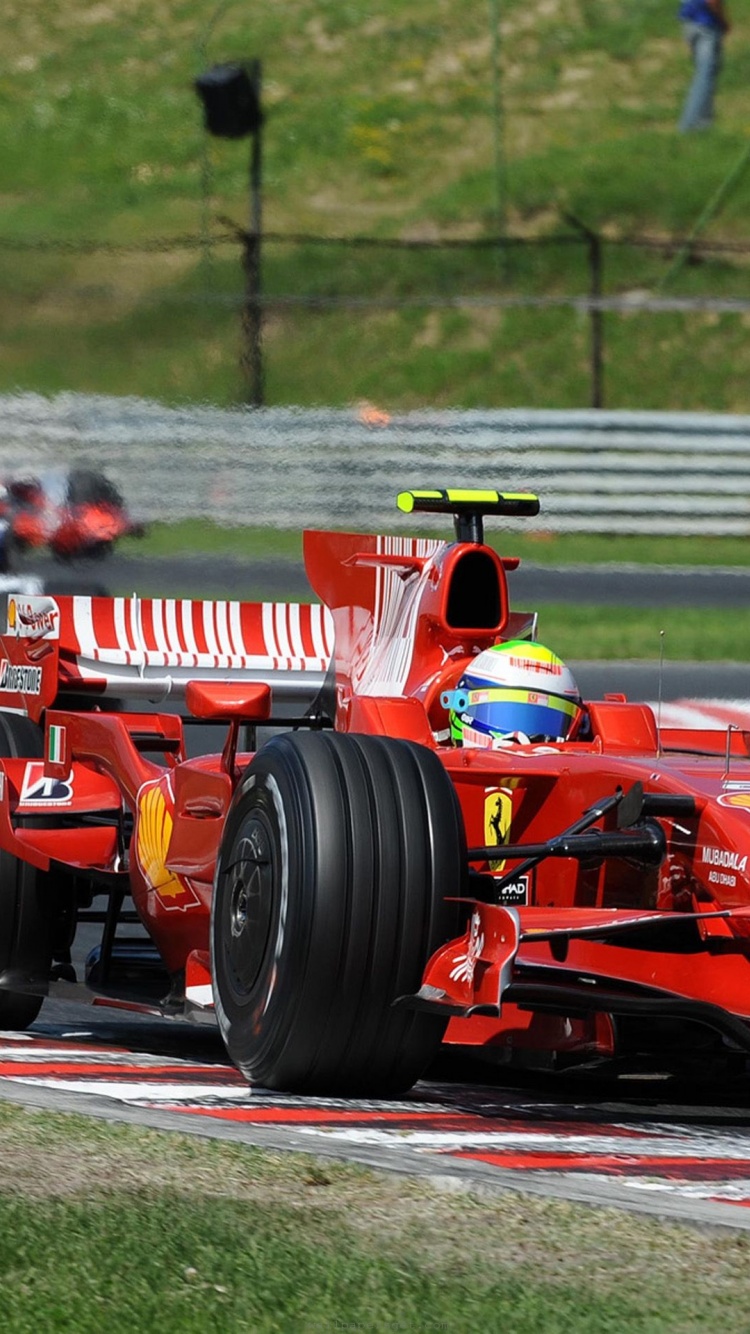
[(73, 512), (415, 833)]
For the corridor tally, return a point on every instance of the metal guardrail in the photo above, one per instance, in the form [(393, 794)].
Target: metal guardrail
[(596, 471)]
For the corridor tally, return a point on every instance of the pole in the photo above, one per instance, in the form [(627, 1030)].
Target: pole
[(597, 322), (497, 119), (596, 314), (709, 212), (252, 315)]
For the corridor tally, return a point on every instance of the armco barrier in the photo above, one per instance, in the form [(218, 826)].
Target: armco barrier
[(596, 471)]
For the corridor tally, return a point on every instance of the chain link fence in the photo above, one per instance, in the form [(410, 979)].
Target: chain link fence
[(573, 319)]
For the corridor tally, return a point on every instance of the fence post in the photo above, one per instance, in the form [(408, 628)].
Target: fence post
[(232, 109), (597, 322), (596, 314)]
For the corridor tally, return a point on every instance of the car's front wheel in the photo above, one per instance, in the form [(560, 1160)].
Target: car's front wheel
[(339, 860)]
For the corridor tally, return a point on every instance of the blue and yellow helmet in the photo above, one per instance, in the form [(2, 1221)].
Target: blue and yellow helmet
[(517, 691)]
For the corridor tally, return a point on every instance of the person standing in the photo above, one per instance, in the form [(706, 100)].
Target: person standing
[(705, 23)]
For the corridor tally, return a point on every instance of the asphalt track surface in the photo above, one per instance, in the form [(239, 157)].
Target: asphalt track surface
[(219, 576), (678, 1150)]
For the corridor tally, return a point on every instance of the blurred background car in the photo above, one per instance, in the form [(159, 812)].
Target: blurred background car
[(72, 512)]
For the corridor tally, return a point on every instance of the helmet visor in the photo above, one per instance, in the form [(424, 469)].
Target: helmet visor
[(500, 711)]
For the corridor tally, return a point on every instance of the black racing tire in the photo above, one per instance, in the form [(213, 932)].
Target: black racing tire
[(339, 865), (25, 927)]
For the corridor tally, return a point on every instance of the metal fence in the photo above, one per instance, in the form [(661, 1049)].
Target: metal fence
[(570, 317), (596, 471)]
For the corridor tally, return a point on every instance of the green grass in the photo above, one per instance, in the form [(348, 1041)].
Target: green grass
[(689, 634), (379, 121), (128, 1229), (189, 536)]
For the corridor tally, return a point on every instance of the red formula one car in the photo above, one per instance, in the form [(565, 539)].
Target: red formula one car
[(73, 512), (438, 843)]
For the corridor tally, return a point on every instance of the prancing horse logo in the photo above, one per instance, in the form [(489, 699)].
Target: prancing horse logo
[(498, 813)]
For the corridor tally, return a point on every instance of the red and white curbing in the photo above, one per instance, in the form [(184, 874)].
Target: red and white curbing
[(714, 714), (690, 1162)]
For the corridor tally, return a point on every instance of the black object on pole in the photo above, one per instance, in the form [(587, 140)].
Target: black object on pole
[(230, 94), (232, 109)]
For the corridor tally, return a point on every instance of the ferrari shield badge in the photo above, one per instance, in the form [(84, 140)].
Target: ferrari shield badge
[(498, 813)]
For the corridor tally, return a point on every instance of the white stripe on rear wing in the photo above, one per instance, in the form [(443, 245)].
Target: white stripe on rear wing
[(152, 647)]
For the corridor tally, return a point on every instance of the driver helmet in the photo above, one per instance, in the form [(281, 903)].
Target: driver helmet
[(517, 691)]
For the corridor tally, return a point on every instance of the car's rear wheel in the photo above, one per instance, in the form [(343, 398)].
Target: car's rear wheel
[(25, 927), (338, 862)]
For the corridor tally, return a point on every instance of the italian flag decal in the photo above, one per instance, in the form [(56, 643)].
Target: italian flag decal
[(56, 745)]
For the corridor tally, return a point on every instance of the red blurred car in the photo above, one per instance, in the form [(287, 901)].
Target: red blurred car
[(73, 512)]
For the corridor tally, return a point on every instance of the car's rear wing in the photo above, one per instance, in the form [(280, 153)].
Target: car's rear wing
[(151, 647), (408, 610)]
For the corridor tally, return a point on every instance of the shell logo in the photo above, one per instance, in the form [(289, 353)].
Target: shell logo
[(739, 800), (12, 614), (152, 843)]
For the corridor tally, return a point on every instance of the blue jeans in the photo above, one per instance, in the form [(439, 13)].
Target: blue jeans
[(705, 48)]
